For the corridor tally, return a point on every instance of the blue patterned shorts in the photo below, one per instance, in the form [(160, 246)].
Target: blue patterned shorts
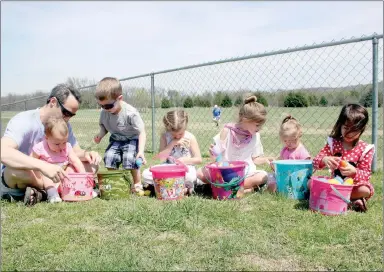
[(121, 153)]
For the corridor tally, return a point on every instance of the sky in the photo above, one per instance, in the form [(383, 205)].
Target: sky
[(43, 43)]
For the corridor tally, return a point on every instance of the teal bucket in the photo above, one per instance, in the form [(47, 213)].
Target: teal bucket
[(292, 177)]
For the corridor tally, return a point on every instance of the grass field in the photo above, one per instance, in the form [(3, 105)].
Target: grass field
[(258, 233)]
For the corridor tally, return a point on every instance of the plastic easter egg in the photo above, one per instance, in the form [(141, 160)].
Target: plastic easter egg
[(348, 181), (225, 164), (343, 163), (339, 179), (333, 181), (140, 193), (147, 192), (139, 162)]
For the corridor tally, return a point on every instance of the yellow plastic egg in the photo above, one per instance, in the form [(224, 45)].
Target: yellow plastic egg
[(140, 193), (348, 181), (147, 192), (333, 181)]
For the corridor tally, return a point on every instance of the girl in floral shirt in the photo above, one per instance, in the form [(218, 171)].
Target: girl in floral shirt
[(344, 144)]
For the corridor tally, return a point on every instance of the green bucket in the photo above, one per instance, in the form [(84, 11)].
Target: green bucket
[(114, 184)]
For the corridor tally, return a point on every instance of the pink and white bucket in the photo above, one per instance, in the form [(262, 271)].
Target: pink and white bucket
[(327, 198), (79, 187), (169, 181), (227, 182)]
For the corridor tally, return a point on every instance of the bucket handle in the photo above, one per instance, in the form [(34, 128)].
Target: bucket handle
[(228, 184), (340, 195)]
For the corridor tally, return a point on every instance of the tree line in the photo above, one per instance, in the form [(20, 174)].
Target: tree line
[(140, 97)]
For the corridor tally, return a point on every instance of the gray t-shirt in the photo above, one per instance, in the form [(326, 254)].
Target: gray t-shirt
[(127, 124), (26, 129)]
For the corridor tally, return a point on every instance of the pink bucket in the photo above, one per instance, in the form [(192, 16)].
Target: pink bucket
[(327, 198), (227, 182), (79, 187), (169, 181)]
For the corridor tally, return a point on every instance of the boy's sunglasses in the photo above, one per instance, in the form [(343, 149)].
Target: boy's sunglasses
[(64, 111), (108, 106)]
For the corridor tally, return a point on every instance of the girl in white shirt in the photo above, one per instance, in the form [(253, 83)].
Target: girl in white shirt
[(241, 142)]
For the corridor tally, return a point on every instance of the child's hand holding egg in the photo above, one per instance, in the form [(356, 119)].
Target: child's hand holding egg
[(343, 163)]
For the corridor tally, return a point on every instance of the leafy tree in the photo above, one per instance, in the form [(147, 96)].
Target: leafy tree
[(323, 101), (226, 102), (188, 103), (366, 99), (165, 103), (296, 100), (238, 101), (313, 100), (261, 99), (218, 98)]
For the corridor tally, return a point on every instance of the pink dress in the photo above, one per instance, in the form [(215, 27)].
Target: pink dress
[(357, 156), (45, 154), (300, 153)]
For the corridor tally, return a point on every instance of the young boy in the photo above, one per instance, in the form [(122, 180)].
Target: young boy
[(127, 140)]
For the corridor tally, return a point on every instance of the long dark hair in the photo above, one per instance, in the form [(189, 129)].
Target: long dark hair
[(353, 114)]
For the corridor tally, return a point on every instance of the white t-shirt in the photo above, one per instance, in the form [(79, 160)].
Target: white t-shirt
[(243, 153)]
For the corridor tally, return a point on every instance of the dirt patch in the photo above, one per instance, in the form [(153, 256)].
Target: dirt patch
[(266, 264)]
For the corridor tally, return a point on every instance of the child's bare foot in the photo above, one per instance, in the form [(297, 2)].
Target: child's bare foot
[(248, 191)]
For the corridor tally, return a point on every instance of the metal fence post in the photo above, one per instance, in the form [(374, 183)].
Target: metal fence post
[(375, 99), (153, 111)]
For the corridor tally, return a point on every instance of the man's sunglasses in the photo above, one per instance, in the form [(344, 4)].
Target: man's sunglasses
[(108, 106), (64, 111)]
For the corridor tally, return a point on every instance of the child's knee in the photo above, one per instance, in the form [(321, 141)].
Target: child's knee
[(361, 191)]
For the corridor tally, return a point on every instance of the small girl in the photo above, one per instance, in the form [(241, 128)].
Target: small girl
[(344, 144), (290, 135), (241, 142), (176, 143), (56, 149)]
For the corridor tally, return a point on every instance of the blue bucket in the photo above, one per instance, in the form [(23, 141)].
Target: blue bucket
[(292, 177)]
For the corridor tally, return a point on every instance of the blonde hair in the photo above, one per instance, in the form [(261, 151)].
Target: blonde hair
[(108, 88), (56, 124), (290, 127), (175, 120), (252, 110)]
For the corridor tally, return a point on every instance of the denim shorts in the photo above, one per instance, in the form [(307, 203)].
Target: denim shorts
[(121, 152)]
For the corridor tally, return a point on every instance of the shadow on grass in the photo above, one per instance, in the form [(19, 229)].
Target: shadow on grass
[(302, 205), (204, 191)]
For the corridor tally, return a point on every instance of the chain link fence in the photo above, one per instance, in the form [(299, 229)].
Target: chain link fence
[(311, 83)]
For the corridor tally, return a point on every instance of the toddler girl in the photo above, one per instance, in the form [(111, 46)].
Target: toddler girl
[(55, 149), (290, 135)]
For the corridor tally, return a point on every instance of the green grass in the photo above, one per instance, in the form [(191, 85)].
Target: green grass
[(261, 232), (258, 233)]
